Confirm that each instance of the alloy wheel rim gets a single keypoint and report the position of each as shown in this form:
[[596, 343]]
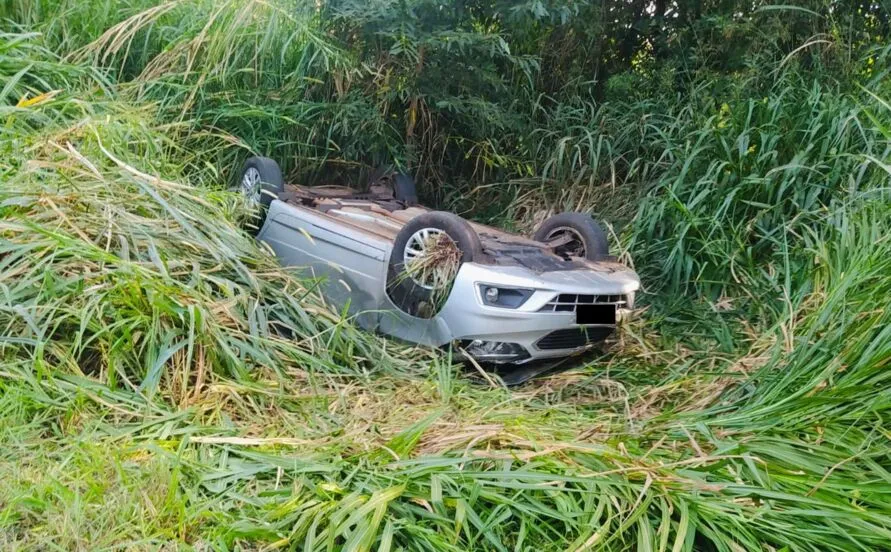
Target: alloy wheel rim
[[250, 185], [417, 248]]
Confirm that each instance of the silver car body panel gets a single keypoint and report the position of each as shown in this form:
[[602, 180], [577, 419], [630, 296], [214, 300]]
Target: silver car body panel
[[350, 251]]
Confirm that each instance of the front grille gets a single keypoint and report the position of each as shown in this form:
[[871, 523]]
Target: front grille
[[567, 302], [572, 338]]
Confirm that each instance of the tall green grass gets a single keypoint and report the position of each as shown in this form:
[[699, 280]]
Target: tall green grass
[[164, 383], [109, 266]]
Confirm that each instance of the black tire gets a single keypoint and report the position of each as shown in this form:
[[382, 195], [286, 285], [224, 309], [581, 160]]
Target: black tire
[[411, 297], [266, 188], [404, 189], [589, 238]]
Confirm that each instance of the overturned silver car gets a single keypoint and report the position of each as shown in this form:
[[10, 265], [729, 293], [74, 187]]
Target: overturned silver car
[[435, 279]]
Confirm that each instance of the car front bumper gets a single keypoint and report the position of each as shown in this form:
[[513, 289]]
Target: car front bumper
[[532, 331]]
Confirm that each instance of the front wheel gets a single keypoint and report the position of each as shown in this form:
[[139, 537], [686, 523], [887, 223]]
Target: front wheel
[[426, 256], [573, 235]]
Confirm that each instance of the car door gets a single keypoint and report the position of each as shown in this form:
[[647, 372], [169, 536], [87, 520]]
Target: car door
[[351, 263]]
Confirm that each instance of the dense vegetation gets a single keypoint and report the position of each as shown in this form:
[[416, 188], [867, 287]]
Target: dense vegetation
[[739, 151]]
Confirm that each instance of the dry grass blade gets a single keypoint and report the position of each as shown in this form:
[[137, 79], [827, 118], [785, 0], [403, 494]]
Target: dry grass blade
[[439, 264], [165, 382]]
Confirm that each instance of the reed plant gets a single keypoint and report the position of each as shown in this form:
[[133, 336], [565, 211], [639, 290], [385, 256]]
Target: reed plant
[[164, 383]]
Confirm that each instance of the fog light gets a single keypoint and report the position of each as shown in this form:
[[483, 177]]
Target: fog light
[[494, 351], [492, 295]]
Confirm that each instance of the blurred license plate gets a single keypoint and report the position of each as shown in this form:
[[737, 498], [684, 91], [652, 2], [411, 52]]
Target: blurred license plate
[[595, 314]]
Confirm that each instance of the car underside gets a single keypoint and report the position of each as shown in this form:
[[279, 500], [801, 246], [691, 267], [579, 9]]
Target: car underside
[[505, 298]]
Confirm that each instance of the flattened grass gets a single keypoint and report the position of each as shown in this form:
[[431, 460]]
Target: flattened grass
[[165, 383]]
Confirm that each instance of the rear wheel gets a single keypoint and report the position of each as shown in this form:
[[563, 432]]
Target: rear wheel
[[574, 235], [404, 189], [426, 256], [399, 186], [260, 182]]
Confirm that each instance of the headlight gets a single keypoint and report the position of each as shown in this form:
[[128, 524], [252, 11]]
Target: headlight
[[506, 298]]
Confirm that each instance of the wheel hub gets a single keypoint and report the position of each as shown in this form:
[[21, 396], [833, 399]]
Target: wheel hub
[[572, 244], [431, 258]]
